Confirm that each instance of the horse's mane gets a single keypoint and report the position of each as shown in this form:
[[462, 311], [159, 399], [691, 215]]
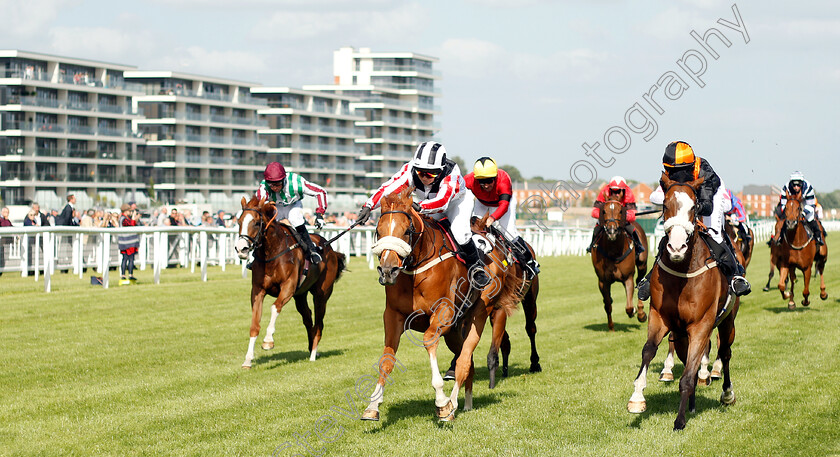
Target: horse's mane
[[401, 199]]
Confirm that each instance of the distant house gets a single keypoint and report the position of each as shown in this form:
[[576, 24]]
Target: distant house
[[759, 201], [642, 193], [547, 194]]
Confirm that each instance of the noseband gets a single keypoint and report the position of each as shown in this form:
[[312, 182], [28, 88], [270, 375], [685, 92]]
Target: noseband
[[396, 244]]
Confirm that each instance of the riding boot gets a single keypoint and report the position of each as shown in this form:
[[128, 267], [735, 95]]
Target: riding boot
[[815, 227], [523, 254], [644, 284], [309, 247], [728, 263], [640, 248], [478, 277], [596, 233]]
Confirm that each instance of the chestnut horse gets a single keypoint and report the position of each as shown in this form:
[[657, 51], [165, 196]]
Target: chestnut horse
[[277, 270], [798, 250], [614, 260], [429, 291], [689, 297]]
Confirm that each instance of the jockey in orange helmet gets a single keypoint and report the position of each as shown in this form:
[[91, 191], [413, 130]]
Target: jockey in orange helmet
[[493, 191], [617, 189]]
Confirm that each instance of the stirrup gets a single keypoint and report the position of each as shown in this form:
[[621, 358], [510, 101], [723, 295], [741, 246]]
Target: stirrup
[[478, 277], [740, 286], [315, 257]]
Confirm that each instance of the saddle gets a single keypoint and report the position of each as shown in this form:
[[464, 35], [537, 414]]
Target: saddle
[[446, 228]]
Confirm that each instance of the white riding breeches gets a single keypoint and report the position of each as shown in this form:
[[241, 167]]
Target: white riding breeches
[[721, 205], [507, 223], [293, 212], [458, 213]]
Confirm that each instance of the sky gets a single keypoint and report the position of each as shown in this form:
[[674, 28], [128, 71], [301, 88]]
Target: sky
[[528, 82]]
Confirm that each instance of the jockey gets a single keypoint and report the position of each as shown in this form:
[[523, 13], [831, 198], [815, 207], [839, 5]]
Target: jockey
[[494, 192], [618, 189], [286, 190], [439, 186], [800, 188], [737, 215], [682, 166]]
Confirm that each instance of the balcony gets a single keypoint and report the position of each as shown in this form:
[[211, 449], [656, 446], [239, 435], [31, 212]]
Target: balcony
[[71, 129]]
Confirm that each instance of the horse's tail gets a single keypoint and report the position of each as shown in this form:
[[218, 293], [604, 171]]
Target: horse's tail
[[342, 264], [513, 291]]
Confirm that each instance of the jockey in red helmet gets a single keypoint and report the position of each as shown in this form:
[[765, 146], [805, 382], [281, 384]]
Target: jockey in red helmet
[[618, 190], [286, 190]]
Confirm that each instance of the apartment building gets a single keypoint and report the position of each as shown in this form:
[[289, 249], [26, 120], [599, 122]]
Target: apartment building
[[201, 143], [314, 134], [66, 127], [396, 93]]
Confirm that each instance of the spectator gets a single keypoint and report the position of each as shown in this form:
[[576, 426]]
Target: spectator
[[4, 217], [163, 218], [174, 217], [220, 219], [52, 216], [129, 243], [66, 216], [40, 219], [187, 217]]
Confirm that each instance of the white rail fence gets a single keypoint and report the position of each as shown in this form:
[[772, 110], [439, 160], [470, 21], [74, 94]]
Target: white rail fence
[[41, 251]]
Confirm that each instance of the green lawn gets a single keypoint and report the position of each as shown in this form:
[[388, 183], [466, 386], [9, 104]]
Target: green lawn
[[155, 370]]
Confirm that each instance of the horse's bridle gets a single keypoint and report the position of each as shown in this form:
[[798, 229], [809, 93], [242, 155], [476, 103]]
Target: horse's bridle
[[255, 242], [693, 194], [617, 221], [413, 234]]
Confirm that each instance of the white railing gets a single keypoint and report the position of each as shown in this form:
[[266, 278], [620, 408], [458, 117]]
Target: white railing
[[40, 251]]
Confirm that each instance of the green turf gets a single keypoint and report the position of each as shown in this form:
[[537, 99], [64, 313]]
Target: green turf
[[155, 370]]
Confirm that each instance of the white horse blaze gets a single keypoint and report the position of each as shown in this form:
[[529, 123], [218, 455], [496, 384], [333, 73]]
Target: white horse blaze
[[679, 227], [241, 244]]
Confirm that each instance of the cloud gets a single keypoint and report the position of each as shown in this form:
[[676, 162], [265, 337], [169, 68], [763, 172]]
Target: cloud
[[30, 18], [102, 43], [676, 23], [478, 59], [372, 25], [241, 65], [812, 28]]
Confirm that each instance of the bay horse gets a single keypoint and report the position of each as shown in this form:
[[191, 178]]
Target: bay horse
[[429, 291], [740, 244], [798, 250], [614, 260], [278, 271], [530, 289], [704, 375], [689, 297]]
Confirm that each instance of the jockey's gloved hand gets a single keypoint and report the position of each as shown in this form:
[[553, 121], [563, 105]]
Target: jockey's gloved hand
[[704, 207], [319, 220], [364, 215], [416, 206]]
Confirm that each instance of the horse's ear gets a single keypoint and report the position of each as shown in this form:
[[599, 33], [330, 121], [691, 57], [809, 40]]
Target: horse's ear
[[665, 181], [697, 182], [244, 202]]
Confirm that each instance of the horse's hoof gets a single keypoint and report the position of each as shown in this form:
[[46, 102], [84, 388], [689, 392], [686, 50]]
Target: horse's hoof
[[641, 316], [505, 372], [791, 306], [766, 289], [636, 407], [535, 368], [666, 377], [715, 374], [786, 295], [450, 375], [370, 415], [246, 367], [630, 312], [727, 398], [704, 382], [805, 303], [268, 345], [446, 412], [823, 295]]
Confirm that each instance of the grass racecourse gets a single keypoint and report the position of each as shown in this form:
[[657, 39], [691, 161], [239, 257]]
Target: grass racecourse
[[155, 370]]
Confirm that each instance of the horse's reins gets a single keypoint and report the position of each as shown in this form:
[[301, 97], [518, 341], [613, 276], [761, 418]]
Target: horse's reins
[[257, 242], [629, 245], [810, 235], [413, 233], [698, 225]]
